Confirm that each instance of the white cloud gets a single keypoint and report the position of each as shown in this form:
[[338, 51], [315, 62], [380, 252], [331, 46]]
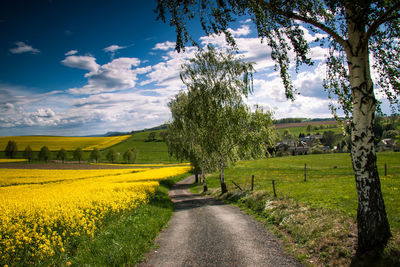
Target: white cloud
[[242, 31], [23, 48], [60, 113], [126, 94], [71, 52], [166, 74], [309, 83], [164, 46], [113, 48], [119, 74], [81, 62]]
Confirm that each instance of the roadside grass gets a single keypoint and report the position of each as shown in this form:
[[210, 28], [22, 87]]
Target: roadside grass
[[316, 217], [125, 239]]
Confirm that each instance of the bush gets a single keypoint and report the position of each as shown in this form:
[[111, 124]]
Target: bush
[[317, 151], [282, 154]]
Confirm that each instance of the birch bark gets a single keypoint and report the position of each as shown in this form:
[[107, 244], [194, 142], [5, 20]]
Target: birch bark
[[373, 225]]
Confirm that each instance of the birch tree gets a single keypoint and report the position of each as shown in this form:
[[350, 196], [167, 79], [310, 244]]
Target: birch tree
[[184, 137], [221, 127], [355, 31]]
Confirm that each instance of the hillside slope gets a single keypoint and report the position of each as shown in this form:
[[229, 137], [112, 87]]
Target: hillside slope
[[154, 151]]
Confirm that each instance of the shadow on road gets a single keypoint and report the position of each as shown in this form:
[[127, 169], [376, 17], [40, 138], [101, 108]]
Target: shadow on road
[[184, 200]]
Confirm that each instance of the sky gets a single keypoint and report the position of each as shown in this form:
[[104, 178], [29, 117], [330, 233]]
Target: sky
[[78, 68]]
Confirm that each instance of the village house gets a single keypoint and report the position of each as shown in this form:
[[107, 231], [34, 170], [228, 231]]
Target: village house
[[386, 144]]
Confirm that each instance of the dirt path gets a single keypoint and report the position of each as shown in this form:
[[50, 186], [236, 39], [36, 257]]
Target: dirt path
[[206, 232]]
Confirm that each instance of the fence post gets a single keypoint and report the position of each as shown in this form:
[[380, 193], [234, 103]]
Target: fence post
[[273, 187], [252, 182], [385, 169], [305, 172]]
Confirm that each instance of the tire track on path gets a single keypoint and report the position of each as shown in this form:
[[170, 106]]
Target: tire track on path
[[206, 232]]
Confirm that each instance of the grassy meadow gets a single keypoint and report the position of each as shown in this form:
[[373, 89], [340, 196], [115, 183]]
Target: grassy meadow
[[154, 151], [316, 217], [329, 181]]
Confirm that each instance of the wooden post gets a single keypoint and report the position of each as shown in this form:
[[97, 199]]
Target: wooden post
[[305, 172], [237, 186], [273, 187], [252, 182], [385, 169]]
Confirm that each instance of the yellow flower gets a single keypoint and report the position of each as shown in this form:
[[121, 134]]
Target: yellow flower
[[40, 216]]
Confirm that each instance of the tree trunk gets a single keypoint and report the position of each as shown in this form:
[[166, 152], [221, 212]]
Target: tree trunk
[[204, 181], [196, 177], [373, 225], [222, 178]]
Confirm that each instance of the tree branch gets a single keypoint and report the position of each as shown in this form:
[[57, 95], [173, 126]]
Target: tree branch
[[292, 15], [382, 19]]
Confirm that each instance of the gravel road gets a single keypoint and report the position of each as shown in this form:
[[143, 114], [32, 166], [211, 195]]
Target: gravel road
[[206, 232]]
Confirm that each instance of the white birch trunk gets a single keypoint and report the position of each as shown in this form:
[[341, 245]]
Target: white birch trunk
[[203, 175], [222, 178], [373, 226]]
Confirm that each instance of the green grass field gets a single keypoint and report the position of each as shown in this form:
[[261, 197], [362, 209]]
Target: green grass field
[[147, 151], [330, 181], [316, 218]]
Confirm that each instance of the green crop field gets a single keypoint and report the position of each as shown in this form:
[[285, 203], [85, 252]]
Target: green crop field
[[329, 182], [147, 151]]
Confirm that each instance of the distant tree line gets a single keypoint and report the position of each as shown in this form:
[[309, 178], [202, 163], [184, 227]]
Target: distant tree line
[[296, 120], [44, 154]]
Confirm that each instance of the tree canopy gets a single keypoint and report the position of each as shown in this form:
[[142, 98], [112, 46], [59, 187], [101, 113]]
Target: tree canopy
[[78, 154], [11, 149], [28, 153], [44, 153], [95, 154], [62, 154], [212, 118]]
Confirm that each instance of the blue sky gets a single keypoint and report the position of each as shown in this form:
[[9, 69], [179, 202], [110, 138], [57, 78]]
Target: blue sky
[[78, 68]]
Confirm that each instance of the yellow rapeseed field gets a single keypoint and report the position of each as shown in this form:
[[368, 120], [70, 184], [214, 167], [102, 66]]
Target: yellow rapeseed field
[[41, 176], [57, 142], [43, 212], [149, 165], [12, 160]]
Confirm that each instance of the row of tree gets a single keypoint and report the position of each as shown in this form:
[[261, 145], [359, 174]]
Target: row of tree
[[211, 125], [78, 154]]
